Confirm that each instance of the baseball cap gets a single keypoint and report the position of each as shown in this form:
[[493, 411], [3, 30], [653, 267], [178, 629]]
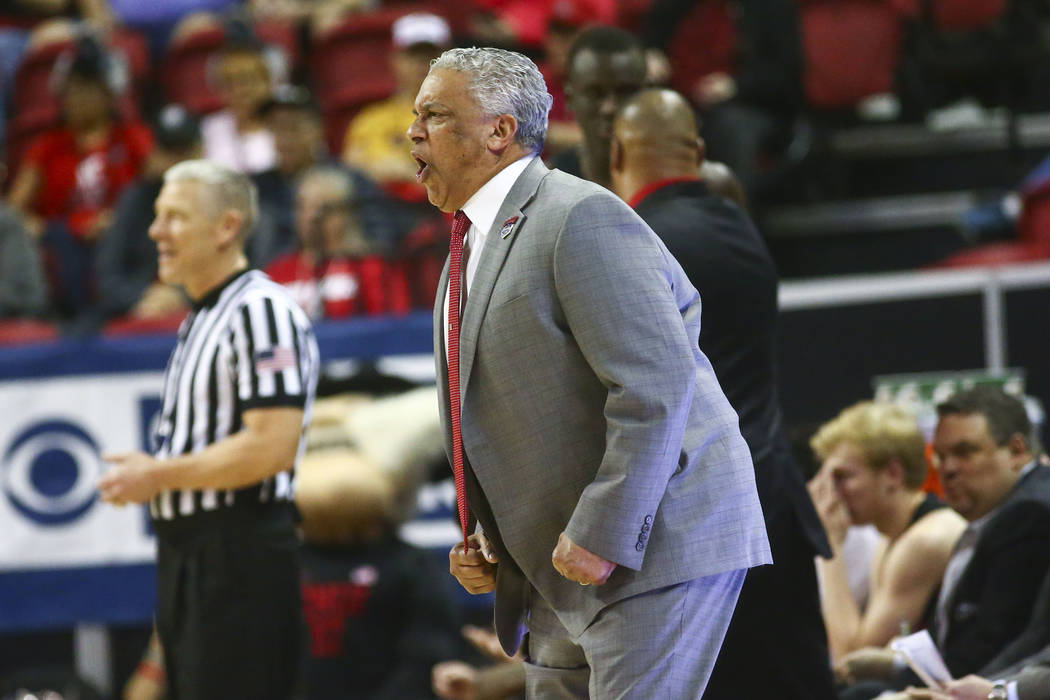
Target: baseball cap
[[421, 28], [175, 127]]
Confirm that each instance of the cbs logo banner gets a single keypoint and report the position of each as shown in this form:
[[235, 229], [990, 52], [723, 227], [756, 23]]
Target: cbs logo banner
[[50, 444]]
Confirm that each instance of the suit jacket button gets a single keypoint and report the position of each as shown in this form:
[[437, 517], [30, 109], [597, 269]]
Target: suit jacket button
[[646, 527], [648, 520], [640, 546]]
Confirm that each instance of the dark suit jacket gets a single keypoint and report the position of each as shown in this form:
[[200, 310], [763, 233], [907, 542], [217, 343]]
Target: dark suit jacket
[[996, 594], [726, 259], [1031, 647]]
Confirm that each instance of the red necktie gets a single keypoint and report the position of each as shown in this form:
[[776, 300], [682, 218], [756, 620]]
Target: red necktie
[[460, 226]]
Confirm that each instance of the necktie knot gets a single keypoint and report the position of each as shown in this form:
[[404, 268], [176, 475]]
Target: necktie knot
[[460, 224]]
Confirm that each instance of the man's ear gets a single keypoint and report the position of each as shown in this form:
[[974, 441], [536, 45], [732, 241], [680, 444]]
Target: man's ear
[[895, 470], [229, 229], [1018, 445], [504, 131]]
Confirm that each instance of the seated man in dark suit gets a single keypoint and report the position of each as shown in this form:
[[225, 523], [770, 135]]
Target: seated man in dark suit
[[983, 449], [1021, 670]]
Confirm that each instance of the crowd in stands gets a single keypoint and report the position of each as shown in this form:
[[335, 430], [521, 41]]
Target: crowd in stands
[[313, 100], [91, 88]]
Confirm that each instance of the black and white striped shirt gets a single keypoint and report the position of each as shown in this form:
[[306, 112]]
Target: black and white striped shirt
[[245, 345]]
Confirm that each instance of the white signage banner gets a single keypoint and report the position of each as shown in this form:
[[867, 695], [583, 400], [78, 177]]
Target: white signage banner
[[51, 440]]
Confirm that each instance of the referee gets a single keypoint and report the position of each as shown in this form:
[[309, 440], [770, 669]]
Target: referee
[[236, 402]]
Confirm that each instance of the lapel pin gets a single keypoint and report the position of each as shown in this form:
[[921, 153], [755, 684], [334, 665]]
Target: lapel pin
[[508, 226]]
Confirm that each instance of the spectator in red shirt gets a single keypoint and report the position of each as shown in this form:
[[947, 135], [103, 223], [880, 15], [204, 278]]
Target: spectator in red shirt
[[337, 273], [71, 176]]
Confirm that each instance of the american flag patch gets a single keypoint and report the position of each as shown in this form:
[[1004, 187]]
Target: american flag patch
[[274, 359]]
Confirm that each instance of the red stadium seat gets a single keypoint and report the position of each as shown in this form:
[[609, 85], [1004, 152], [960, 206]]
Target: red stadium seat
[[20, 331], [345, 105], [851, 50], [994, 254], [184, 71], [33, 77], [33, 90], [353, 55], [127, 325]]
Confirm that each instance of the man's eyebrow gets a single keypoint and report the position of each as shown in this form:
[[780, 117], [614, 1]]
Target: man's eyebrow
[[431, 106]]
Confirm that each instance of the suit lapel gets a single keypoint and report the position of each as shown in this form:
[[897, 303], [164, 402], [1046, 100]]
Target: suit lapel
[[497, 245]]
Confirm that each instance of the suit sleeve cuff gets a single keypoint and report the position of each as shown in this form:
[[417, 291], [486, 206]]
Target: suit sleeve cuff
[[606, 540]]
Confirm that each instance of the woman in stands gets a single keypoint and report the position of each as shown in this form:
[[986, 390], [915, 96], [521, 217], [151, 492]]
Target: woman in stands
[[72, 175], [873, 466], [237, 136]]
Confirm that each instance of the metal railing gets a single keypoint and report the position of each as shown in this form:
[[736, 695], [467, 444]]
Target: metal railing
[[989, 282]]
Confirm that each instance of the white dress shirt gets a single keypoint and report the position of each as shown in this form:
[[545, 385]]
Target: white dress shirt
[[481, 209]]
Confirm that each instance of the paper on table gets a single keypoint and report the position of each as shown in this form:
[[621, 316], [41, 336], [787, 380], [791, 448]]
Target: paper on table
[[922, 656]]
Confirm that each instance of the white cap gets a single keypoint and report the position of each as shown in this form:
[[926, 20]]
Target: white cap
[[421, 28]]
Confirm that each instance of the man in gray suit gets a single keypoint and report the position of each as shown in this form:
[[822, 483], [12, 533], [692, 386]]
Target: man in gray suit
[[614, 495]]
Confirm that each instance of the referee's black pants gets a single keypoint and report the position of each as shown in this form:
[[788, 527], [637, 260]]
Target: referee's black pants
[[229, 607]]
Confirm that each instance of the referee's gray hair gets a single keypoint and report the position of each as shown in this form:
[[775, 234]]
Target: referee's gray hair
[[230, 189], [505, 82]]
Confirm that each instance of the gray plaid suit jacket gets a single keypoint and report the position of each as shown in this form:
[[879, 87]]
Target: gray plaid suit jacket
[[588, 407]]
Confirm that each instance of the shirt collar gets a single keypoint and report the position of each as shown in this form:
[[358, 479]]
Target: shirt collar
[[484, 205], [212, 296], [658, 185]]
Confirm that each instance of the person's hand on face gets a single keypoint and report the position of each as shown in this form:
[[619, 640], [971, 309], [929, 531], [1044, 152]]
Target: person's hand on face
[[580, 565], [475, 569], [832, 511]]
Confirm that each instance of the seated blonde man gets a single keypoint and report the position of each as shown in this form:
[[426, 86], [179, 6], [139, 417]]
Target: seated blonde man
[[873, 465]]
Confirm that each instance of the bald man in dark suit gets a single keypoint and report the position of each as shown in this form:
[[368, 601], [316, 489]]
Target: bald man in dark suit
[[777, 626]]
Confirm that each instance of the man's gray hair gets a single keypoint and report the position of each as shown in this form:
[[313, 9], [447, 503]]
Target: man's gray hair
[[505, 82], [230, 189]]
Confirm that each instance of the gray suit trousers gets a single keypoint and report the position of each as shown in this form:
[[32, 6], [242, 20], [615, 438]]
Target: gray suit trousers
[[659, 644]]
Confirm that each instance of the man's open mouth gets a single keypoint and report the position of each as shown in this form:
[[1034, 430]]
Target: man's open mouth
[[423, 167]]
